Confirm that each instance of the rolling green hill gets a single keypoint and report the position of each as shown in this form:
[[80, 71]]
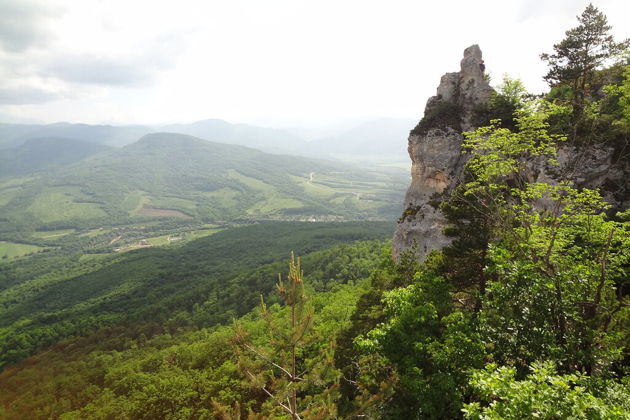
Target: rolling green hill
[[178, 176]]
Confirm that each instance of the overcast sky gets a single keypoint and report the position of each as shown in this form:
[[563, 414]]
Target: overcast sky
[[266, 62]]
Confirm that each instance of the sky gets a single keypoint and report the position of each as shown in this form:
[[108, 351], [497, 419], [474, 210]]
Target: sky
[[266, 62]]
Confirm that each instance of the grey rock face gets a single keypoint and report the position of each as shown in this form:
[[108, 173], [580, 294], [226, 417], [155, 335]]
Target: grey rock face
[[437, 162], [596, 167], [435, 152]]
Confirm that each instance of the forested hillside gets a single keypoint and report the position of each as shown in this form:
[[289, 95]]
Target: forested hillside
[[171, 362], [55, 295]]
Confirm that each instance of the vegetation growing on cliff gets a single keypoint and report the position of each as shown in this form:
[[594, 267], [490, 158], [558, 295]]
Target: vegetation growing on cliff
[[440, 114]]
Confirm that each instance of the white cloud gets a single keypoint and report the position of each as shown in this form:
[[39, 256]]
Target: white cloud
[[269, 62], [25, 24]]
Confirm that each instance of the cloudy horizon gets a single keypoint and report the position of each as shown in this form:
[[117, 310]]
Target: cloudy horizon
[[274, 63]]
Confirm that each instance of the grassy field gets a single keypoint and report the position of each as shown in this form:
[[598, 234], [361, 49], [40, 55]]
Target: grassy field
[[173, 203], [206, 231], [223, 198], [140, 203], [133, 202], [313, 189], [253, 183], [183, 237], [7, 194], [148, 210], [10, 250], [95, 232], [124, 243], [176, 239], [10, 188], [52, 233], [62, 204], [274, 204]]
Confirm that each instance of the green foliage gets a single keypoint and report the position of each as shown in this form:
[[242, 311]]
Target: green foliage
[[556, 264], [498, 153], [603, 118], [370, 374], [430, 343], [573, 69], [584, 49], [624, 92], [441, 114], [465, 259], [557, 282], [286, 370], [621, 92], [9, 250], [543, 395], [161, 370], [503, 105]]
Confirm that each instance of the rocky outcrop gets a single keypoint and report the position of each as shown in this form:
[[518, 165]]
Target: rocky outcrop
[[437, 161], [435, 151], [599, 166]]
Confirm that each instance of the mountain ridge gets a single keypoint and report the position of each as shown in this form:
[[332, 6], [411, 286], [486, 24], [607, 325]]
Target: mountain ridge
[[205, 180], [46, 153], [361, 141]]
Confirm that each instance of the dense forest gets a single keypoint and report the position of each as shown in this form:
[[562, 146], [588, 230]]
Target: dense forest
[[524, 315], [210, 277]]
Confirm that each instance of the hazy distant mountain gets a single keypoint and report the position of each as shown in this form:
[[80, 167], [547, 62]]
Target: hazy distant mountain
[[312, 131], [266, 139], [13, 135], [385, 137], [41, 154]]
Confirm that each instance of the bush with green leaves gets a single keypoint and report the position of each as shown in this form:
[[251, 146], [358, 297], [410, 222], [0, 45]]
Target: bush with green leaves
[[544, 395], [430, 343]]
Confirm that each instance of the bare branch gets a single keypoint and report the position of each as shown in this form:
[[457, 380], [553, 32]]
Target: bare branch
[[268, 360]]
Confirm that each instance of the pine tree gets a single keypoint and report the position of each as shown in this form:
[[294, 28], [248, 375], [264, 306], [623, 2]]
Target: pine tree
[[585, 49], [279, 377]]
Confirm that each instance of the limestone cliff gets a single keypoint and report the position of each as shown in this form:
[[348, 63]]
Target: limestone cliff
[[437, 162], [435, 151]]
